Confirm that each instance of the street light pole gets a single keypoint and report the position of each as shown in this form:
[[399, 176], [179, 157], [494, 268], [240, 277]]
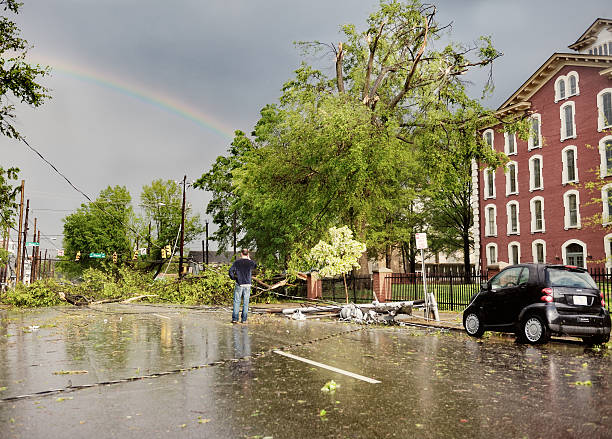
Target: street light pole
[[182, 231]]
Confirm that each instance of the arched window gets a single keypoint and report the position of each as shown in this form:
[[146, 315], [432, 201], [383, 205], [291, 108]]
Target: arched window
[[512, 211], [569, 157], [511, 179], [491, 253], [605, 154], [488, 137], [604, 109], [538, 251], [571, 203], [535, 173], [535, 135], [536, 205], [568, 122], [489, 183], [608, 249], [490, 220], [514, 253], [560, 88], [606, 201], [572, 79], [574, 253], [510, 143]]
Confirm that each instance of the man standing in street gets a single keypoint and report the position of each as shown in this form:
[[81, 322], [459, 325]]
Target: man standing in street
[[240, 271]]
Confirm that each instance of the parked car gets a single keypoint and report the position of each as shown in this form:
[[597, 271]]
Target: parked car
[[536, 301]]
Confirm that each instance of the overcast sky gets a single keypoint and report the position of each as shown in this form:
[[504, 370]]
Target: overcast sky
[[150, 89]]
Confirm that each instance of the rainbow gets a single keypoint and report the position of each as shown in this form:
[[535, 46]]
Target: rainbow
[[162, 101]]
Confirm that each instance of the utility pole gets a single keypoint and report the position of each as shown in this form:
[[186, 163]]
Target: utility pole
[[234, 230], [149, 240], [44, 273], [33, 265], [5, 270], [25, 238], [182, 230], [19, 255], [206, 242], [37, 257]]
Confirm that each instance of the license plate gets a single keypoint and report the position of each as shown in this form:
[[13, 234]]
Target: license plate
[[580, 300]]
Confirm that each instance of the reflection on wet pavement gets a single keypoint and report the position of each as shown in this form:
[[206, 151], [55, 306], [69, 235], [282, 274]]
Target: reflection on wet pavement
[[434, 384]]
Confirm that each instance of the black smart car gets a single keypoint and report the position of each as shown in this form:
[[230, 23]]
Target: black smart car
[[536, 301]]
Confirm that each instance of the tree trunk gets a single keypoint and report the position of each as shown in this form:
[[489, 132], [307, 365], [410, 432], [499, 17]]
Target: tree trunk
[[345, 287], [466, 258]]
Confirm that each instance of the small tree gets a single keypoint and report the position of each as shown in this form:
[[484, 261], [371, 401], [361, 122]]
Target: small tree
[[339, 256]]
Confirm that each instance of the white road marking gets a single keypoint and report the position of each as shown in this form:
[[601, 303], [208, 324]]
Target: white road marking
[[325, 366], [163, 317]]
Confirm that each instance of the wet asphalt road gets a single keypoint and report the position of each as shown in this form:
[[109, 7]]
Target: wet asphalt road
[[232, 384]]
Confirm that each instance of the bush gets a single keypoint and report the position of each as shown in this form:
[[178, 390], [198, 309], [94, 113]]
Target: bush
[[41, 293]]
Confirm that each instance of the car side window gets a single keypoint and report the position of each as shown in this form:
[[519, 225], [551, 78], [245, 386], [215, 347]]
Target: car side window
[[507, 278], [524, 277]]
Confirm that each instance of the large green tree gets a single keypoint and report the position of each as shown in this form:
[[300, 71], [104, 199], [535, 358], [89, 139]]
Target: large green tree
[[8, 196], [101, 226], [161, 202], [366, 145]]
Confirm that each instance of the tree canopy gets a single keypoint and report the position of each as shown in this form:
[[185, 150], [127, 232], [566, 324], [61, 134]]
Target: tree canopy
[[376, 145]]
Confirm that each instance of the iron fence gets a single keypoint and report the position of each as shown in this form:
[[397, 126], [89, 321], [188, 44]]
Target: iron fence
[[603, 279], [359, 289], [452, 290]]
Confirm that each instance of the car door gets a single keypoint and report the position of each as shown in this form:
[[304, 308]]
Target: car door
[[503, 297]]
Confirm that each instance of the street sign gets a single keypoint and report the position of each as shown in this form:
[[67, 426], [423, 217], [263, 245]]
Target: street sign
[[60, 252], [143, 251], [32, 244], [97, 255], [421, 240]]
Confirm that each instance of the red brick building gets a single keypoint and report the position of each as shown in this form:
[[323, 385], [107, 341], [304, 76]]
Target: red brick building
[[541, 208]]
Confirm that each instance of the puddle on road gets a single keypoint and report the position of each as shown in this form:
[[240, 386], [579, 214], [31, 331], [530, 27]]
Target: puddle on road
[[434, 384]]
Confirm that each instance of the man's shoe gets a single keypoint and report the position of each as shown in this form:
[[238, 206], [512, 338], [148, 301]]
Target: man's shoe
[[234, 322]]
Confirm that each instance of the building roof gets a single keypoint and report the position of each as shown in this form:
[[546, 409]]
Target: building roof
[[590, 35], [556, 62]]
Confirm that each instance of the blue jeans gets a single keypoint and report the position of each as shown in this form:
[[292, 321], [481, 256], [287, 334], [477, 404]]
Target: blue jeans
[[241, 292]]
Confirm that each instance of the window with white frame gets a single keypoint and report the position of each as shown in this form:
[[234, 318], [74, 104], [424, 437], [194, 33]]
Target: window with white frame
[[488, 137], [605, 154], [569, 159], [538, 251], [571, 204], [560, 88], [489, 183], [490, 220], [604, 109], [511, 179], [535, 173], [574, 253], [606, 201], [514, 253], [572, 84], [491, 252], [535, 132], [510, 143], [536, 207], [512, 212], [567, 113], [608, 249]]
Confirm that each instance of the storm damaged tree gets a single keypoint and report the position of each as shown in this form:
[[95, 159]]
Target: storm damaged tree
[[346, 148]]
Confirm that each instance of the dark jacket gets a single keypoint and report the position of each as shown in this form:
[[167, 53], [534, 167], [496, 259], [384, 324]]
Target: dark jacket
[[240, 271]]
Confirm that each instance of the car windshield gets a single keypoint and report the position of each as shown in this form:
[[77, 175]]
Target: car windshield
[[559, 277]]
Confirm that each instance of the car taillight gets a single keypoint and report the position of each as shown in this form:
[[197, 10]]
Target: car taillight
[[548, 295], [603, 302]]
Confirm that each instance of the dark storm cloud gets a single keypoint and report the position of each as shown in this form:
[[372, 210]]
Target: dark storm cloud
[[228, 59]]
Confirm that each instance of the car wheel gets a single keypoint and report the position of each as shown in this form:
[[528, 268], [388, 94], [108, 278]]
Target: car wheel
[[473, 325], [534, 330], [596, 339]]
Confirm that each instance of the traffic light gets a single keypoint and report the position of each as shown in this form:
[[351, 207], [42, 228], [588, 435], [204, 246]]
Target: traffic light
[[168, 251], [115, 257], [135, 255], [78, 256], [163, 253]]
